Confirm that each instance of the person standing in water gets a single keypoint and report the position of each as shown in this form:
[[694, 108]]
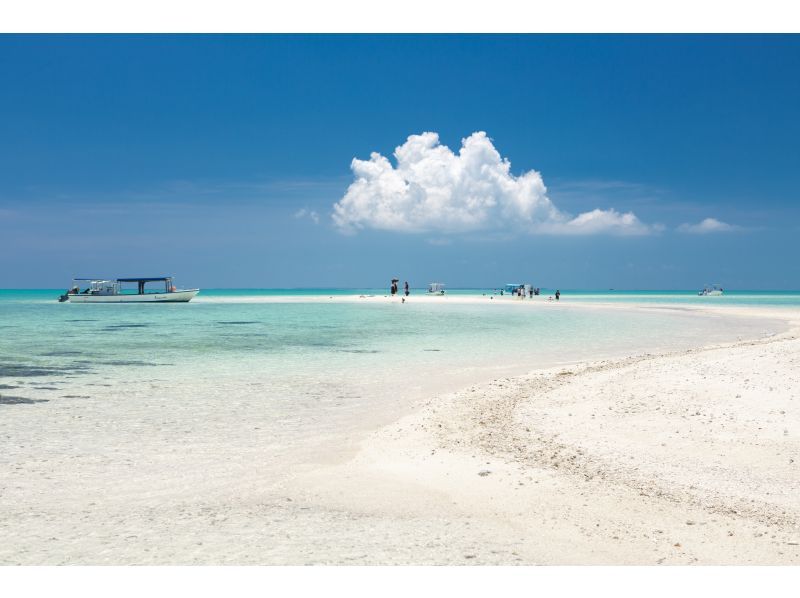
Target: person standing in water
[[558, 294], [394, 288], [405, 288]]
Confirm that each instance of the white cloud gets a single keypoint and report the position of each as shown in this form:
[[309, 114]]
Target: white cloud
[[600, 221], [433, 189], [709, 225], [310, 214]]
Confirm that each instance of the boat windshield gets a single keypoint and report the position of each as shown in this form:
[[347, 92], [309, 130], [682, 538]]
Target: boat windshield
[[93, 286]]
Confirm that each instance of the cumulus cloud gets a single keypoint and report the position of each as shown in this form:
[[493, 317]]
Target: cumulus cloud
[[709, 225], [600, 221], [433, 189], [310, 214]]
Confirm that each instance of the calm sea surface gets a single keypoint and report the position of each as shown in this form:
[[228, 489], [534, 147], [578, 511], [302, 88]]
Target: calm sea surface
[[313, 367]]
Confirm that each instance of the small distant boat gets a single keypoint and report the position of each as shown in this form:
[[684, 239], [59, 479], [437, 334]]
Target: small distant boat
[[436, 288], [114, 291], [710, 290], [518, 289]]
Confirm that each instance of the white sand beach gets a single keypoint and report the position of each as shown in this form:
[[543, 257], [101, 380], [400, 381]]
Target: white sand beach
[[688, 457]]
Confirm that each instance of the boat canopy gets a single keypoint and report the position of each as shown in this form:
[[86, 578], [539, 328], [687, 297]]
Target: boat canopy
[[146, 279]]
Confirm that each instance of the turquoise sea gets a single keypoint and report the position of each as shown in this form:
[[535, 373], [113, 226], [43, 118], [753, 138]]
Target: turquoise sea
[[313, 367], [302, 370]]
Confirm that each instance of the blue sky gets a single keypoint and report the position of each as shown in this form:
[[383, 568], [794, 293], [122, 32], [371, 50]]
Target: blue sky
[[219, 159]]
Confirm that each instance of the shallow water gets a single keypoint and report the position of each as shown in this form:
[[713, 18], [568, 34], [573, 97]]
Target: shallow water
[[306, 370]]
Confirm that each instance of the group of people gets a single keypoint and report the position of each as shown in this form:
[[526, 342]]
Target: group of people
[[522, 290], [394, 287], [531, 291]]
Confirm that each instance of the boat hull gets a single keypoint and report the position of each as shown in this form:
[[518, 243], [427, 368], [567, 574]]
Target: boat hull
[[176, 297]]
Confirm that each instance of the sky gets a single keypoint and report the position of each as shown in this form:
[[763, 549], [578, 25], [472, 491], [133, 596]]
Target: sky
[[571, 161]]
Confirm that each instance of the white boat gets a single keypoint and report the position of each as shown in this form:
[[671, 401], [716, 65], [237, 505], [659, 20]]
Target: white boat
[[710, 290], [518, 289], [115, 291], [436, 288]]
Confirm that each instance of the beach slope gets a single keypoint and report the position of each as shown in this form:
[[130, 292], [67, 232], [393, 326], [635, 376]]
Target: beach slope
[[684, 458]]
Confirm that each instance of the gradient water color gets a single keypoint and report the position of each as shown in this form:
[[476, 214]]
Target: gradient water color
[[305, 370]]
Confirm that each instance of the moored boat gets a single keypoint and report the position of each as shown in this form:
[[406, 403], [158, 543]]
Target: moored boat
[[115, 291], [711, 290]]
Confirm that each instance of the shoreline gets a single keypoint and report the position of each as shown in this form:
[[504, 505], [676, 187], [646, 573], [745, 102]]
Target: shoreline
[[488, 297], [607, 462]]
